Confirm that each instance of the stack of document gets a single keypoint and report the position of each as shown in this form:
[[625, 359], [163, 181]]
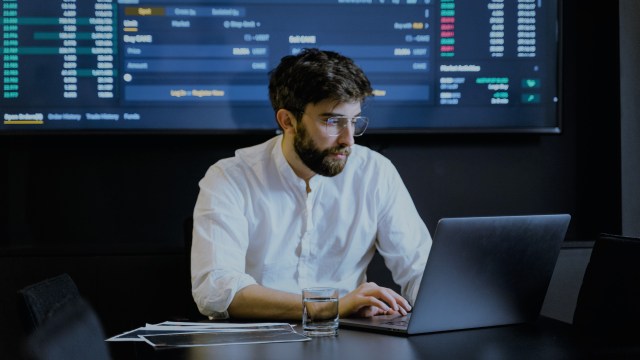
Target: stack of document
[[183, 334]]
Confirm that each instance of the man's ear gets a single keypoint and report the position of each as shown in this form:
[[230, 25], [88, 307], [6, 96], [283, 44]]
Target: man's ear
[[286, 120]]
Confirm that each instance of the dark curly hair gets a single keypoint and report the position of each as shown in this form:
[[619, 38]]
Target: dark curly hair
[[313, 76]]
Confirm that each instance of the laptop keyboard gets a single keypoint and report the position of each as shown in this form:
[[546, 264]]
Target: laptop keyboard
[[397, 322]]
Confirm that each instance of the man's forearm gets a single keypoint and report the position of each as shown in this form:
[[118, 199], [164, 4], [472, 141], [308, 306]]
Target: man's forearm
[[259, 302]]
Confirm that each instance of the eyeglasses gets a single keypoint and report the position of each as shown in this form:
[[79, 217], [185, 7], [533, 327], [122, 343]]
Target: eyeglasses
[[335, 125]]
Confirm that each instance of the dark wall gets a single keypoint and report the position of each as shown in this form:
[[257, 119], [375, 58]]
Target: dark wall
[[595, 81], [630, 115], [109, 209]]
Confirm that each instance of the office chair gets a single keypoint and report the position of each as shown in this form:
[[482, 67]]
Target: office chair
[[73, 332], [609, 298], [39, 301]]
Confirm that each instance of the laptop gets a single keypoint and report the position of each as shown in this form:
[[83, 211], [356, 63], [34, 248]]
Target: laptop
[[481, 272]]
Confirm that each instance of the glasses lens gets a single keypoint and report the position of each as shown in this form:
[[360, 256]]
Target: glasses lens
[[336, 125], [360, 126]]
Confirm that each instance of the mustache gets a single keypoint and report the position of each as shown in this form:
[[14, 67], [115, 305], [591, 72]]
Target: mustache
[[342, 150]]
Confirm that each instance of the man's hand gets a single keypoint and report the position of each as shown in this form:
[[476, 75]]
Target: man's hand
[[370, 299]]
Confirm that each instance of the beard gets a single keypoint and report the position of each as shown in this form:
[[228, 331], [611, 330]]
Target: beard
[[319, 161]]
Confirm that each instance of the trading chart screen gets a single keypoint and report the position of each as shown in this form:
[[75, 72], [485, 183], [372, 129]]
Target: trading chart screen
[[160, 65]]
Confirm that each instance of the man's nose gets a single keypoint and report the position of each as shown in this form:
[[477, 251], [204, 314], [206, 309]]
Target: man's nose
[[345, 138]]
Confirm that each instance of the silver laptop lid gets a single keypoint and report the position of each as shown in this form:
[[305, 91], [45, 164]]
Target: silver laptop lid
[[487, 271]]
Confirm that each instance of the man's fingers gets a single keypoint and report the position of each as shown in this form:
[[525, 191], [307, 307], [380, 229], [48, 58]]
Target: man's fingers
[[394, 300], [370, 299], [374, 301]]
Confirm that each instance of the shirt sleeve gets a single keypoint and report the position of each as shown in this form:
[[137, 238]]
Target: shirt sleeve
[[403, 239], [219, 245]]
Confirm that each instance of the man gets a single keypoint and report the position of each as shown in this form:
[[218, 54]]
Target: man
[[306, 208]]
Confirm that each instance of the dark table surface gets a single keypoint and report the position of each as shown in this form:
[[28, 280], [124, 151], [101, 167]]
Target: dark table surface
[[544, 339]]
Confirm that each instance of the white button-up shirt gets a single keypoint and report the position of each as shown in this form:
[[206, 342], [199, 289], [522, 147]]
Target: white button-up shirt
[[254, 222]]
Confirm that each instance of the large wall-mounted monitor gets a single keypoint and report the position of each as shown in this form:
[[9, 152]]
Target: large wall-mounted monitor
[[202, 65]]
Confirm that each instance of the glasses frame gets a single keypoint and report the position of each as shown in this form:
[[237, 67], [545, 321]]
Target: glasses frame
[[327, 123], [335, 125]]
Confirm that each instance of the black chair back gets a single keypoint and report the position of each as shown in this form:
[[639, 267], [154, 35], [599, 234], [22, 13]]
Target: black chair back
[[38, 302], [73, 332], [609, 298]]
